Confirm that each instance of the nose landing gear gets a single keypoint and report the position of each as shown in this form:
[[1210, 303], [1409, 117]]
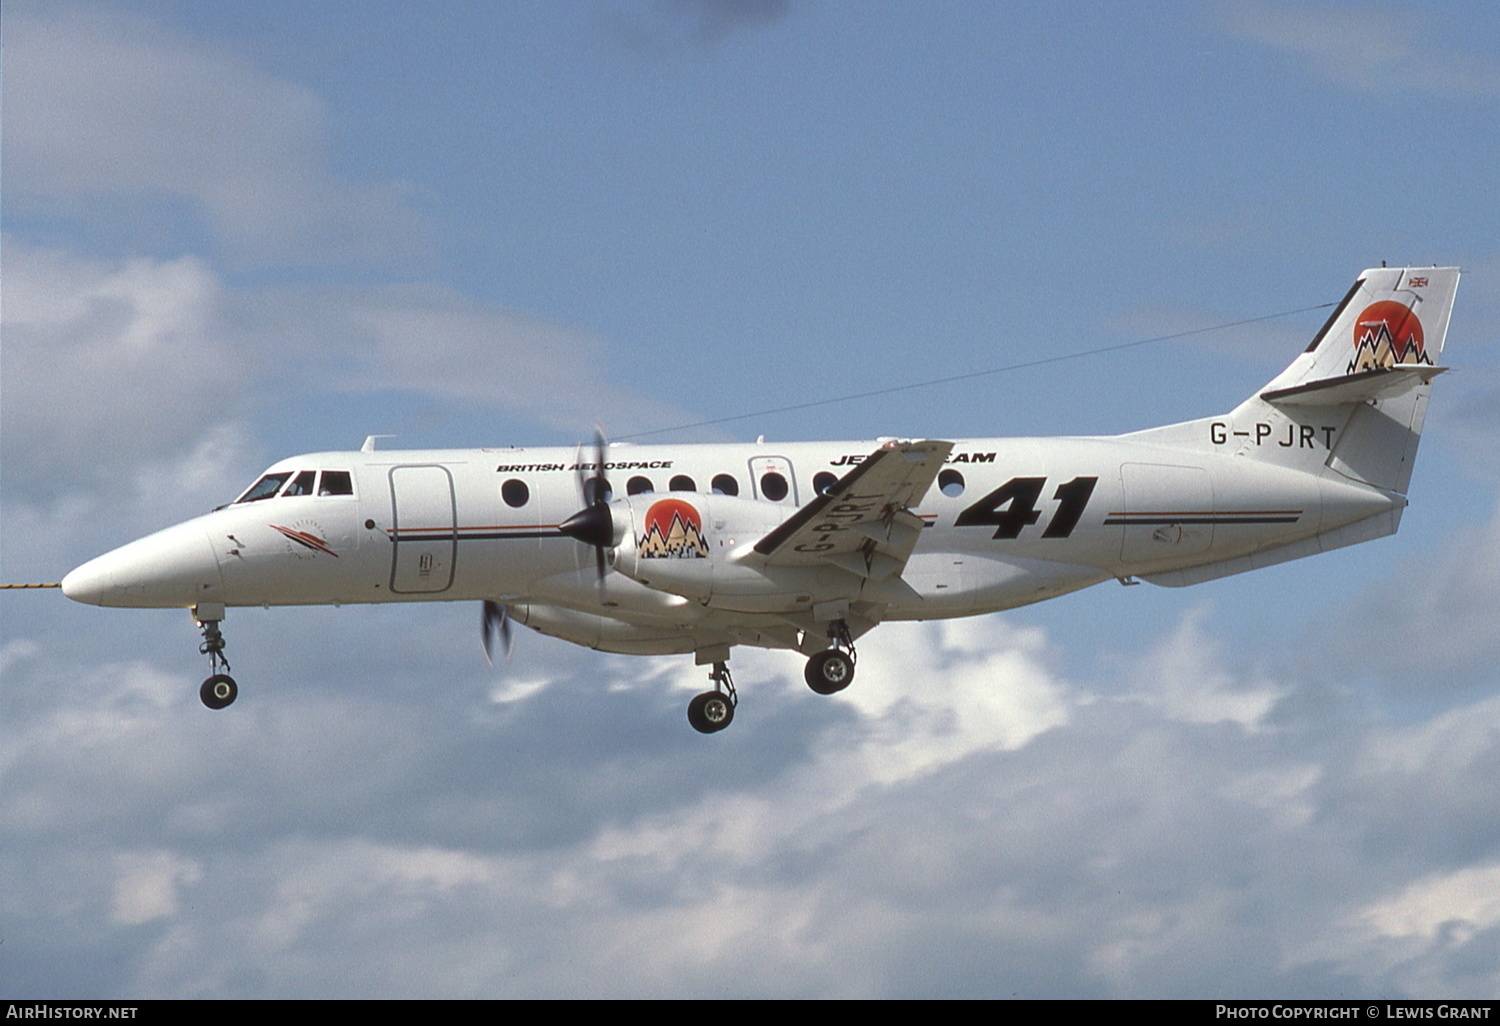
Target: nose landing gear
[[219, 690], [713, 710]]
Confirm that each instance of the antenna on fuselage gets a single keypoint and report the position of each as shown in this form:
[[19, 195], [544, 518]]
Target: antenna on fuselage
[[369, 445]]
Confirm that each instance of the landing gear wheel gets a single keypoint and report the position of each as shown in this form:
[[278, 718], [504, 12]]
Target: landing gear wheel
[[710, 712], [219, 691], [830, 671]]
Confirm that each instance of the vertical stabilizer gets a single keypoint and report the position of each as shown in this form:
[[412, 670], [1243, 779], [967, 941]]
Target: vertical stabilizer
[[1392, 317], [1373, 362], [1355, 399]]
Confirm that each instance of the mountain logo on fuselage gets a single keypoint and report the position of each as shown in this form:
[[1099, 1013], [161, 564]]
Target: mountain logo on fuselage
[[674, 530], [1385, 334]]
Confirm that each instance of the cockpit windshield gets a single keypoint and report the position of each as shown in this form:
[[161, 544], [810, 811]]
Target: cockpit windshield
[[265, 487], [306, 482], [302, 484]]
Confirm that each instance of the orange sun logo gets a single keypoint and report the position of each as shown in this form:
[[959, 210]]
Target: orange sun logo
[[1385, 334], [674, 530]]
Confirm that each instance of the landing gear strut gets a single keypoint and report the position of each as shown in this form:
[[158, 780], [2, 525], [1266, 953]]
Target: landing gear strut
[[713, 710], [832, 670], [219, 690]]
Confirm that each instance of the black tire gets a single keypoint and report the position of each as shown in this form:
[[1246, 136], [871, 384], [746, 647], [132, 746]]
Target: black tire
[[830, 671], [219, 691], [710, 712]]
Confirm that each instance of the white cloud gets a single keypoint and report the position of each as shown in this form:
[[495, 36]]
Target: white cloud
[[1184, 676], [962, 821], [148, 884], [102, 107], [106, 360], [1431, 624], [1468, 898], [1416, 797], [1374, 50], [988, 690], [144, 374], [434, 340]]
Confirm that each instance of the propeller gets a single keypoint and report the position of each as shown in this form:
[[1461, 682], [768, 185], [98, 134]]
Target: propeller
[[496, 622], [594, 524]]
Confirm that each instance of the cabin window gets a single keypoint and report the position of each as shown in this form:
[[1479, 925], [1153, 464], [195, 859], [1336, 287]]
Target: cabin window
[[515, 493], [597, 489], [823, 481], [639, 486], [683, 483], [265, 487], [725, 484], [773, 486], [951, 482], [336, 482], [302, 484]]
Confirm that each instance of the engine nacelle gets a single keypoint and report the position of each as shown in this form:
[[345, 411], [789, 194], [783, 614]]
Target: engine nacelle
[[702, 547], [602, 632]]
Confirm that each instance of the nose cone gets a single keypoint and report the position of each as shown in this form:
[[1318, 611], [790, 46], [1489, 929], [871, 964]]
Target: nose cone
[[170, 569]]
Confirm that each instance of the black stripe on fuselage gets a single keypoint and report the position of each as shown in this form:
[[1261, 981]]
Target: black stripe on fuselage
[[1118, 519], [469, 534]]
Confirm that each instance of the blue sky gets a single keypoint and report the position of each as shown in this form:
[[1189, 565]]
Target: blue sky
[[232, 232]]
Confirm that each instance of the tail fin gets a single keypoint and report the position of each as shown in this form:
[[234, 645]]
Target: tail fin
[[1371, 366], [1355, 400], [1347, 412], [1393, 319]]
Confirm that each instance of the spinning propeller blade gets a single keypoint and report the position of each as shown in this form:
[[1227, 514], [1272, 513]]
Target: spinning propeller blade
[[496, 622], [594, 524]]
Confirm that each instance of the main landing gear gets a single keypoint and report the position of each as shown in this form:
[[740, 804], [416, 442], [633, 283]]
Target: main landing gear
[[832, 670], [713, 710], [219, 690], [828, 672]]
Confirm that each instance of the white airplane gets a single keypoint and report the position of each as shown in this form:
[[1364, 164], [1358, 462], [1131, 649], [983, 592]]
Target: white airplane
[[661, 549]]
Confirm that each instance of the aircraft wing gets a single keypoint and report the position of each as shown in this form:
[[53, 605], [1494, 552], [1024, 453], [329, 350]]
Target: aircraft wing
[[864, 523]]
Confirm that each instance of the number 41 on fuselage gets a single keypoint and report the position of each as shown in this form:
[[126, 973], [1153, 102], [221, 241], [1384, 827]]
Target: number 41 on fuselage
[[653, 550]]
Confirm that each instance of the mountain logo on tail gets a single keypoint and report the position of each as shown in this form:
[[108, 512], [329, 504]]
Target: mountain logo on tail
[[674, 530], [1385, 334]]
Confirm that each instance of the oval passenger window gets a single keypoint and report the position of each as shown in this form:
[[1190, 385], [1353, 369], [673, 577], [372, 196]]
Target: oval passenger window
[[515, 493], [773, 486]]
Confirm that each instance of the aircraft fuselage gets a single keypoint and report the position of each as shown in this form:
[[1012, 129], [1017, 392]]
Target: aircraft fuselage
[[1009, 522]]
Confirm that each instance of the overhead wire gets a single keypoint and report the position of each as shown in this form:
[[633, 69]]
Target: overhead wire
[[1042, 361]]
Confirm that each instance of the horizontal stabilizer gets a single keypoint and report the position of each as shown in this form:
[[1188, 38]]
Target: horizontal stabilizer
[[1375, 383]]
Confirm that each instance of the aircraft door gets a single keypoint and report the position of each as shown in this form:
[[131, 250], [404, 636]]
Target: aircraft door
[[424, 530], [772, 480]]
